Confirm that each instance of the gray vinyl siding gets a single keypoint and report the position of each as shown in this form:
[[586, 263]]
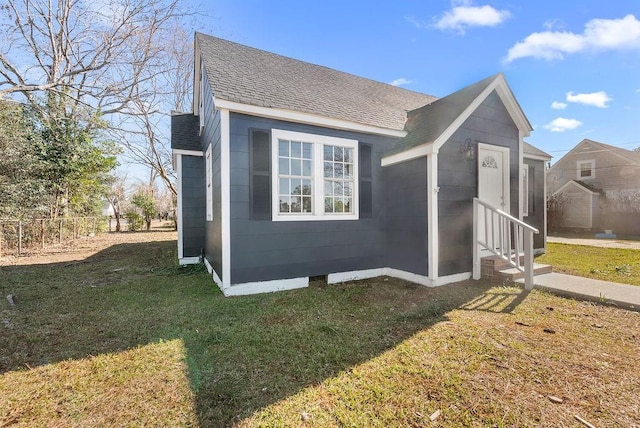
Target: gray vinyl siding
[[537, 203], [406, 216], [611, 171], [267, 250], [193, 210], [458, 181], [211, 135]]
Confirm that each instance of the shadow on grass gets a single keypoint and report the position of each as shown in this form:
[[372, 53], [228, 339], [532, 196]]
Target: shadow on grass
[[243, 353], [497, 301]]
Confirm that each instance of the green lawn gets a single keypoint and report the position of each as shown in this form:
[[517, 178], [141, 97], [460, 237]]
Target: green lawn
[[124, 338], [609, 264]]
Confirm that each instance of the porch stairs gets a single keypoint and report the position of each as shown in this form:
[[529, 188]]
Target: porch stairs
[[502, 246], [497, 269]]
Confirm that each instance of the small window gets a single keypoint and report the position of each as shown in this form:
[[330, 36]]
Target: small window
[[209, 183], [315, 177], [586, 169], [525, 190]]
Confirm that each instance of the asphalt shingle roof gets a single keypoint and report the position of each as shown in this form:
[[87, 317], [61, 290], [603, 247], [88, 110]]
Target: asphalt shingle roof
[[251, 76], [528, 149], [185, 129]]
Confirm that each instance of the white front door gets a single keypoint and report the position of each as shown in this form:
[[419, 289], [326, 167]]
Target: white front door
[[493, 180]]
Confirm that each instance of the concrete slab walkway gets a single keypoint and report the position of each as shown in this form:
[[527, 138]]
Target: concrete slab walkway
[[623, 295]]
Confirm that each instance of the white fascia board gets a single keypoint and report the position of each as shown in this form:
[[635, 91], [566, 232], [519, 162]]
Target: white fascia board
[[536, 157], [410, 154], [196, 81], [573, 183], [306, 118], [505, 94], [187, 152]]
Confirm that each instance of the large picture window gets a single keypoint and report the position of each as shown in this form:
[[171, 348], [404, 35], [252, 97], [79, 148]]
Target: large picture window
[[315, 177]]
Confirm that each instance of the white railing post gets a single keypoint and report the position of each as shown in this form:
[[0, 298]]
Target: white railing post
[[476, 245], [528, 260]]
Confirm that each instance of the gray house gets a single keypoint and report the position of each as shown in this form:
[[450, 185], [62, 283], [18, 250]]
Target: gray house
[[289, 170], [600, 185]]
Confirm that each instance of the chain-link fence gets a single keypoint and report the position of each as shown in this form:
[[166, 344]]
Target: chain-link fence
[[19, 236]]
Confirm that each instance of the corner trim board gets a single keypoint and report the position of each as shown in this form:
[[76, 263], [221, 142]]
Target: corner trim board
[[225, 185], [178, 164]]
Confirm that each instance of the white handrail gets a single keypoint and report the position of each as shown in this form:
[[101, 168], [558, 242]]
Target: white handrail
[[510, 232]]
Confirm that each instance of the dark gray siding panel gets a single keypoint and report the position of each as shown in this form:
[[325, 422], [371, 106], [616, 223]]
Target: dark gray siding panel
[[267, 250], [193, 210], [211, 135], [406, 212], [458, 181], [537, 204]]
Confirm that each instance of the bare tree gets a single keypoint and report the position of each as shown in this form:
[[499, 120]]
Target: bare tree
[[98, 54], [116, 196]]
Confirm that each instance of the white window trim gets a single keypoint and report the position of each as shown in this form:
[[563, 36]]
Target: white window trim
[[209, 184], [525, 190], [593, 169], [318, 142]]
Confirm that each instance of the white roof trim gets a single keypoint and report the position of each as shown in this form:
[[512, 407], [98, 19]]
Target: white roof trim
[[535, 157], [306, 118], [187, 152], [414, 152], [499, 84], [578, 185]]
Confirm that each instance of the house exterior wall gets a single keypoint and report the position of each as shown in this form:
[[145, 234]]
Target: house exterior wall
[[579, 210], [193, 209], [458, 181], [406, 216], [211, 136], [537, 202], [612, 172], [264, 250]]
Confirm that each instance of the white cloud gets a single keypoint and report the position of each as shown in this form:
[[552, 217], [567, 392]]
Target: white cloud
[[562, 124], [461, 17], [558, 105], [415, 22], [596, 99], [599, 34], [401, 81]]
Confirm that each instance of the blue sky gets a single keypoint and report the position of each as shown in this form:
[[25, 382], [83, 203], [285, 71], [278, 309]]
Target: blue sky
[[574, 66]]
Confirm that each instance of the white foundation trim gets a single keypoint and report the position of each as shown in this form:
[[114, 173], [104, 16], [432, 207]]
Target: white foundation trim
[[450, 279], [272, 286], [189, 260], [258, 287], [213, 273], [334, 278], [306, 118]]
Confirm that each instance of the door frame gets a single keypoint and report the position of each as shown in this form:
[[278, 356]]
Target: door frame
[[506, 173]]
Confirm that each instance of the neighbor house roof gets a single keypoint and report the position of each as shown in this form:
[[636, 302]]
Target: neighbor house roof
[[528, 149], [185, 129], [255, 77]]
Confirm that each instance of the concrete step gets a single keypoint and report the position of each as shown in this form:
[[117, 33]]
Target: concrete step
[[513, 274]]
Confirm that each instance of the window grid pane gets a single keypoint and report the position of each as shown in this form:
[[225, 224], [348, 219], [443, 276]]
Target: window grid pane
[[295, 176], [339, 180]]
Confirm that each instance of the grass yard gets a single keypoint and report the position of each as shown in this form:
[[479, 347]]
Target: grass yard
[[610, 264], [120, 336]]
